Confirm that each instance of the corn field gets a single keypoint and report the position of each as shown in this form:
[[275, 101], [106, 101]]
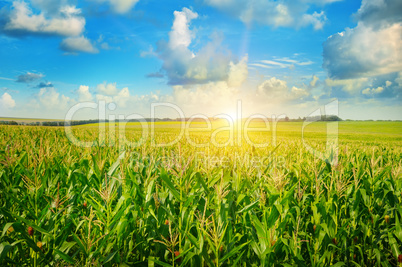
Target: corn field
[[63, 205]]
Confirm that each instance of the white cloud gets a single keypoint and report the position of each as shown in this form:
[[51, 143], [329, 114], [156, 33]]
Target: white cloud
[[210, 64], [372, 48], [109, 93], [210, 98], [213, 98], [364, 51], [383, 86], [314, 81], [56, 18], [372, 91], [238, 73], [316, 19], [297, 93], [122, 97], [273, 88], [277, 90], [274, 13], [349, 85], [49, 98], [379, 13], [6, 101], [120, 6], [84, 94], [181, 35], [67, 22], [78, 44], [107, 89]]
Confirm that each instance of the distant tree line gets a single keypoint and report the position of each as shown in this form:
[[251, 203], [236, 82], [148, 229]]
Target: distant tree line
[[312, 118], [324, 118], [52, 123], [8, 123], [82, 122]]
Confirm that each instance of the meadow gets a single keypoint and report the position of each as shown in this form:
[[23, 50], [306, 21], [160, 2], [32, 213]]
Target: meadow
[[193, 203]]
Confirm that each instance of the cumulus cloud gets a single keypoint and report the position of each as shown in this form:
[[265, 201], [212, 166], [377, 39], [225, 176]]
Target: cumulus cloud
[[284, 13], [373, 91], [278, 90], [372, 48], [22, 21], [110, 93], [78, 44], [29, 77], [181, 35], [120, 6], [210, 98], [56, 18], [53, 103], [364, 51], [107, 88], [316, 19], [349, 85], [380, 13], [51, 99], [120, 99], [182, 66], [382, 86], [6, 101], [84, 94], [238, 73], [211, 78], [273, 87]]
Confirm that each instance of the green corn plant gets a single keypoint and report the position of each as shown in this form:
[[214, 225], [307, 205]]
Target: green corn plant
[[180, 205]]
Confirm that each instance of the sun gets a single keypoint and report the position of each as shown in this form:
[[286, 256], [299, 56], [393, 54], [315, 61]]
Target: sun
[[232, 114]]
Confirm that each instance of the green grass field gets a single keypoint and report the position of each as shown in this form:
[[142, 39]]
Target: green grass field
[[112, 204]]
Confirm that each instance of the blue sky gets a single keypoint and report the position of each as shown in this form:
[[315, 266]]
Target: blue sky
[[277, 57]]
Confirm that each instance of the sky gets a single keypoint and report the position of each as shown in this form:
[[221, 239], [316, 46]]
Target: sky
[[204, 57]]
